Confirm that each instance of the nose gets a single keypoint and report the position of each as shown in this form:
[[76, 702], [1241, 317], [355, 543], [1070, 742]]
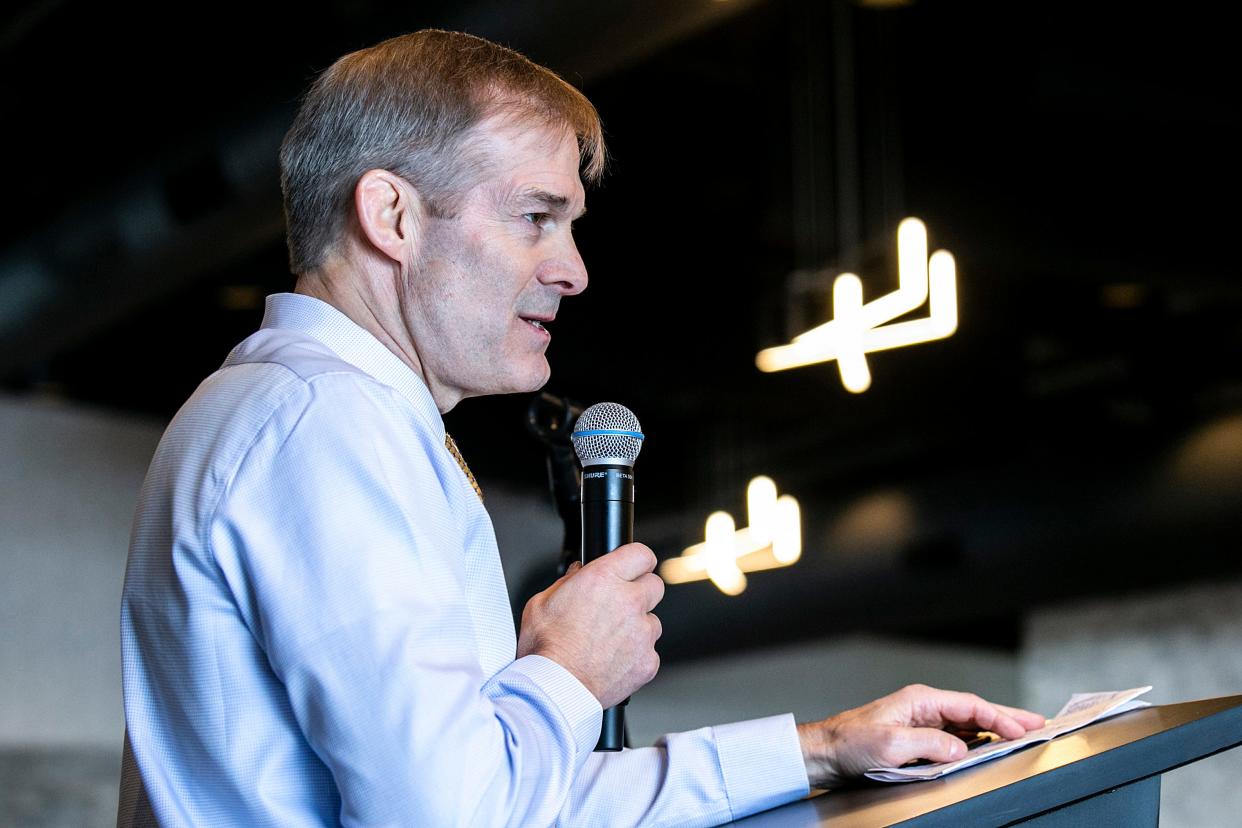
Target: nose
[[566, 271]]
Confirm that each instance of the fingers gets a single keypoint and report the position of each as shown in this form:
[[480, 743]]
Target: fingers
[[633, 562], [652, 667], [936, 708], [653, 590], [1029, 720], [913, 743], [628, 562]]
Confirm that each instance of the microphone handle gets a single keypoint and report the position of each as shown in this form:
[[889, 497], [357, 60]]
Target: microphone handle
[[608, 522]]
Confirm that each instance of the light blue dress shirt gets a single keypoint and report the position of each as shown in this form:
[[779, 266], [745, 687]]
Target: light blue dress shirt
[[315, 628]]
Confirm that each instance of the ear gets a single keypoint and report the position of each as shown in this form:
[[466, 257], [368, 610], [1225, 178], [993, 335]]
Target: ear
[[388, 211]]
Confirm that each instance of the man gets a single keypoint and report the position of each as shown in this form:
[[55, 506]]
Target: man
[[315, 627]]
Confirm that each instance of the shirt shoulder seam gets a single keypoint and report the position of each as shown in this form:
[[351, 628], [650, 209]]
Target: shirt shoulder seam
[[302, 383]]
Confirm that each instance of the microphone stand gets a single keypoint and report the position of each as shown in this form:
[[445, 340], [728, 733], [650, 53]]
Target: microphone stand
[[551, 420]]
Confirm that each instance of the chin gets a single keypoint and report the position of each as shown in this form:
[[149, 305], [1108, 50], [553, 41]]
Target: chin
[[540, 378], [531, 379]]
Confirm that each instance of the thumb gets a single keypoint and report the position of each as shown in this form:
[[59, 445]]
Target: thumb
[[934, 744]]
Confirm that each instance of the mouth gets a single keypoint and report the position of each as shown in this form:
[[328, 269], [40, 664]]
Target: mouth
[[539, 323]]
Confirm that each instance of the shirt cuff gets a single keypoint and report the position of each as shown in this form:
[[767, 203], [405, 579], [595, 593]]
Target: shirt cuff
[[761, 763], [580, 708]]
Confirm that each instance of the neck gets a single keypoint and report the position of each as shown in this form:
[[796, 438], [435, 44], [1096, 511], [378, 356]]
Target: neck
[[377, 311]]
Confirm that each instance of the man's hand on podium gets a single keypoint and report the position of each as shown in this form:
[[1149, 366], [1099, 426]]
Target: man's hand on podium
[[902, 727]]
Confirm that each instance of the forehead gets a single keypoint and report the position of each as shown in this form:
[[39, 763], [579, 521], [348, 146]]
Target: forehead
[[521, 155]]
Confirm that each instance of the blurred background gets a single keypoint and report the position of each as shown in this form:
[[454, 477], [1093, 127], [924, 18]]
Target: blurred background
[[1048, 501]]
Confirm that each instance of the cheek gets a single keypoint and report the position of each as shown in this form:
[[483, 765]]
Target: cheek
[[476, 296]]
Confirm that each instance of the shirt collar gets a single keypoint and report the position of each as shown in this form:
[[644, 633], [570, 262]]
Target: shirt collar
[[324, 323]]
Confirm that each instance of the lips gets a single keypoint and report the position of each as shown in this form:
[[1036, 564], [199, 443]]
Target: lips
[[538, 322]]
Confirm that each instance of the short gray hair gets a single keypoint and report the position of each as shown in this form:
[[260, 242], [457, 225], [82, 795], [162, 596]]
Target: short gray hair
[[409, 105]]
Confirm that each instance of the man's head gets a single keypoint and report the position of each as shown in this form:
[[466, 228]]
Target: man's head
[[430, 185], [413, 105]]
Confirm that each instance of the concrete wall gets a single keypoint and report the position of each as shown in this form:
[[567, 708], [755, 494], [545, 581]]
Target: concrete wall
[[68, 482], [1186, 643]]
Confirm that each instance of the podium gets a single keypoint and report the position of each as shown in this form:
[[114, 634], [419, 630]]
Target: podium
[[1107, 773]]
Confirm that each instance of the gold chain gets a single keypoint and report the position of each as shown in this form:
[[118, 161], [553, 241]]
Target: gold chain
[[451, 445]]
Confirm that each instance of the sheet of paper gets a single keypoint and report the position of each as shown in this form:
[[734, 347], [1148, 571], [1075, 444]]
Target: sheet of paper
[[1081, 710]]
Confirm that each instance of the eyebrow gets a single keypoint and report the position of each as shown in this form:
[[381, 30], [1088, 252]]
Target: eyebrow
[[551, 202]]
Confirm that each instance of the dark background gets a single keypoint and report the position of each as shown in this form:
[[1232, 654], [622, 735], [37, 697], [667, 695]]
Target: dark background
[[1081, 433]]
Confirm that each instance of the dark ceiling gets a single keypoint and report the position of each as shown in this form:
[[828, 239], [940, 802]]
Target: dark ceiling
[[1081, 165]]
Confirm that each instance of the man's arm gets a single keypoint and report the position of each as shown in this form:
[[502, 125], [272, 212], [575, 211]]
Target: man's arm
[[347, 564], [723, 773]]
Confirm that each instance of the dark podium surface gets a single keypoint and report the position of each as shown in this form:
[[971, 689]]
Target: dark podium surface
[[1105, 774]]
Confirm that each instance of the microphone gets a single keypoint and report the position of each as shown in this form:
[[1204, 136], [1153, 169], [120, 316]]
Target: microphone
[[607, 439]]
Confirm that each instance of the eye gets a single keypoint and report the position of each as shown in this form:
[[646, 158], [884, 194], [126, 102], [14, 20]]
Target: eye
[[538, 219]]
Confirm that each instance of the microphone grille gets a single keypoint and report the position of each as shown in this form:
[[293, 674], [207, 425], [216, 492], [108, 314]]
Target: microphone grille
[[607, 433]]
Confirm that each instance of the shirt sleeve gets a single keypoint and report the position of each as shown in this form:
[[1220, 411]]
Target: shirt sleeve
[[702, 777], [339, 546]]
